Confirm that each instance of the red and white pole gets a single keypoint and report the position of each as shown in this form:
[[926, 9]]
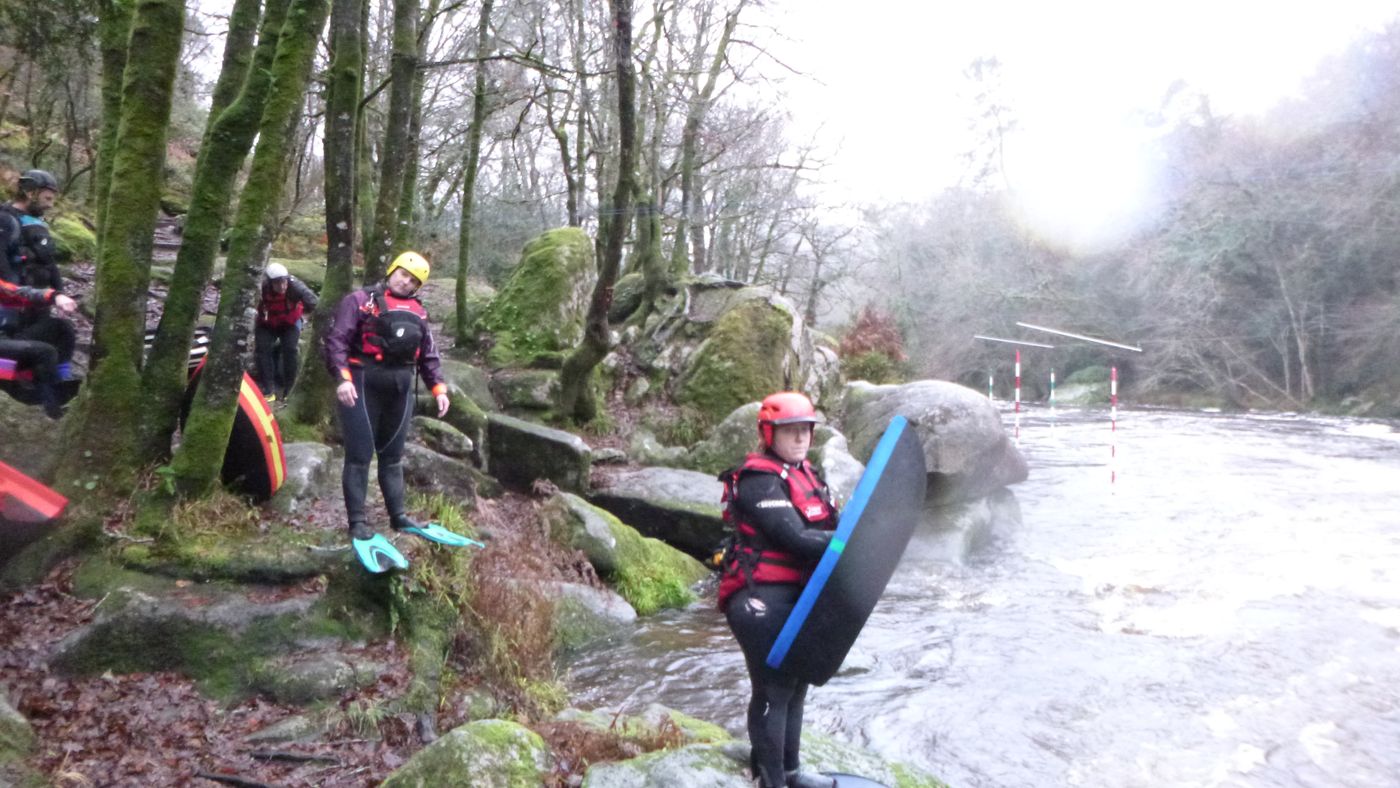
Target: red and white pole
[[1018, 397], [1113, 424]]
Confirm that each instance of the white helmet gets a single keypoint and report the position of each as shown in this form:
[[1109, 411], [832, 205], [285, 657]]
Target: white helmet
[[276, 271]]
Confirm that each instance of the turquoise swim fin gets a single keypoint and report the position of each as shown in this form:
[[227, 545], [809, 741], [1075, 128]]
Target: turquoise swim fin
[[436, 533], [378, 555]]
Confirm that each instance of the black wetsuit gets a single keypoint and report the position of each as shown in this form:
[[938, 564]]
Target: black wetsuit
[[377, 424], [756, 616]]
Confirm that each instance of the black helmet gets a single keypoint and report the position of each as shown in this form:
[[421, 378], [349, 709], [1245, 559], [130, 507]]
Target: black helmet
[[37, 180]]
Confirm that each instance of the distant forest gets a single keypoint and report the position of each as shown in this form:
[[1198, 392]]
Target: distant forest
[[1268, 279]]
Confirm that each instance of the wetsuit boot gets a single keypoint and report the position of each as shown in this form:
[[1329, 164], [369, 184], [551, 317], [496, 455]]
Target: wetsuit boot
[[797, 779]]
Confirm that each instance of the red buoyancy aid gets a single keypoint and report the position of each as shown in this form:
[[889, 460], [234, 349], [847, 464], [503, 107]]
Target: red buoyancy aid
[[750, 559], [393, 328], [279, 310]]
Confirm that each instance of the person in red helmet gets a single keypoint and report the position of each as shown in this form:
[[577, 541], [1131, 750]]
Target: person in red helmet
[[783, 517]]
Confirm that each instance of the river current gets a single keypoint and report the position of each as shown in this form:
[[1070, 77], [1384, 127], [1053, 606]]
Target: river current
[[1193, 599]]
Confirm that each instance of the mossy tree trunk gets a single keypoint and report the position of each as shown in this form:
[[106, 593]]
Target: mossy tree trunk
[[100, 434], [575, 395], [312, 401], [227, 139], [408, 197], [403, 65], [474, 131], [113, 33], [198, 461]]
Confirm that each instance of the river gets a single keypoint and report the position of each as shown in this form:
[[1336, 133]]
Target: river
[[1213, 602]]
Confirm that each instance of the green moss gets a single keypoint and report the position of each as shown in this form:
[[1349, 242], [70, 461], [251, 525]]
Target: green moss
[[537, 310], [73, 240], [651, 574], [98, 575], [742, 361], [1094, 375]]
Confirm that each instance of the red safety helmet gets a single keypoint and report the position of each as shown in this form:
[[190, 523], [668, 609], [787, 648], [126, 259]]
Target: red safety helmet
[[785, 407]]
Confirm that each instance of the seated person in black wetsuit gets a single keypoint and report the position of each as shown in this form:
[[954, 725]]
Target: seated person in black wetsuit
[[38, 357], [783, 515], [28, 260]]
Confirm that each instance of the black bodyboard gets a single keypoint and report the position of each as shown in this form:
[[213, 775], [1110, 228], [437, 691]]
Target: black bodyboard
[[870, 538]]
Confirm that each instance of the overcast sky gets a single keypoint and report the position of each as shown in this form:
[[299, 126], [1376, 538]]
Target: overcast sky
[[887, 86]]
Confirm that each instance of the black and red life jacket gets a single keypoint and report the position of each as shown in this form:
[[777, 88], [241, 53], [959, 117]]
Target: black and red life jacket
[[279, 310], [749, 559], [394, 328]]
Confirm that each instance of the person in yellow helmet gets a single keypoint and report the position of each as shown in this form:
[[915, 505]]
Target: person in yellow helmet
[[379, 340]]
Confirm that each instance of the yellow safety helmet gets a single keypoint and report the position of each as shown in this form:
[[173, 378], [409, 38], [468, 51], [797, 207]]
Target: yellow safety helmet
[[413, 263]]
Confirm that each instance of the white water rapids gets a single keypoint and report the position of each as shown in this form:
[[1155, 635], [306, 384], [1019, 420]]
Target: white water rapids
[[1227, 613]]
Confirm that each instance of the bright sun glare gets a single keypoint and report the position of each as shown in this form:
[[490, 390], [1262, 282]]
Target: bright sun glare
[[1079, 187]]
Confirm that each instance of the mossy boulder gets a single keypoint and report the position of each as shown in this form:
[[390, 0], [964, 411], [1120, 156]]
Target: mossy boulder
[[482, 754], [584, 615], [542, 306], [279, 555], [300, 679], [425, 469], [218, 639], [692, 766], [73, 240], [312, 271], [650, 574], [681, 508], [627, 296], [728, 443], [824, 753], [525, 389], [16, 736], [474, 382], [655, 722], [442, 438], [746, 357]]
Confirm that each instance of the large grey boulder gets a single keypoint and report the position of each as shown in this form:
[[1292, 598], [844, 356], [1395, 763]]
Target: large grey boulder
[[425, 469], [681, 508], [519, 452], [525, 389], [965, 446], [311, 473], [692, 766], [650, 574], [726, 445], [832, 457], [584, 615], [482, 754], [443, 438], [725, 765], [299, 679], [220, 640]]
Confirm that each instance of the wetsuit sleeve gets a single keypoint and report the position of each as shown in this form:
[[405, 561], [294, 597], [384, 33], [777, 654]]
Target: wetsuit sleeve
[[305, 294], [429, 364], [11, 293], [9, 246], [764, 501], [343, 332]]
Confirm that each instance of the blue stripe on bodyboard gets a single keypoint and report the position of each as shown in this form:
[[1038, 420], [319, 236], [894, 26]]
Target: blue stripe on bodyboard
[[854, 509]]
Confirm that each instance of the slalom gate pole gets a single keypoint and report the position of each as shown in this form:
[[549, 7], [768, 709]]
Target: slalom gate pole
[[1113, 425], [1018, 397], [989, 389], [1052, 396]]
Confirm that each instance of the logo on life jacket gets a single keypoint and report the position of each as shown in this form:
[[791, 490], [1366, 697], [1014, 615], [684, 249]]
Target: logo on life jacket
[[747, 558]]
